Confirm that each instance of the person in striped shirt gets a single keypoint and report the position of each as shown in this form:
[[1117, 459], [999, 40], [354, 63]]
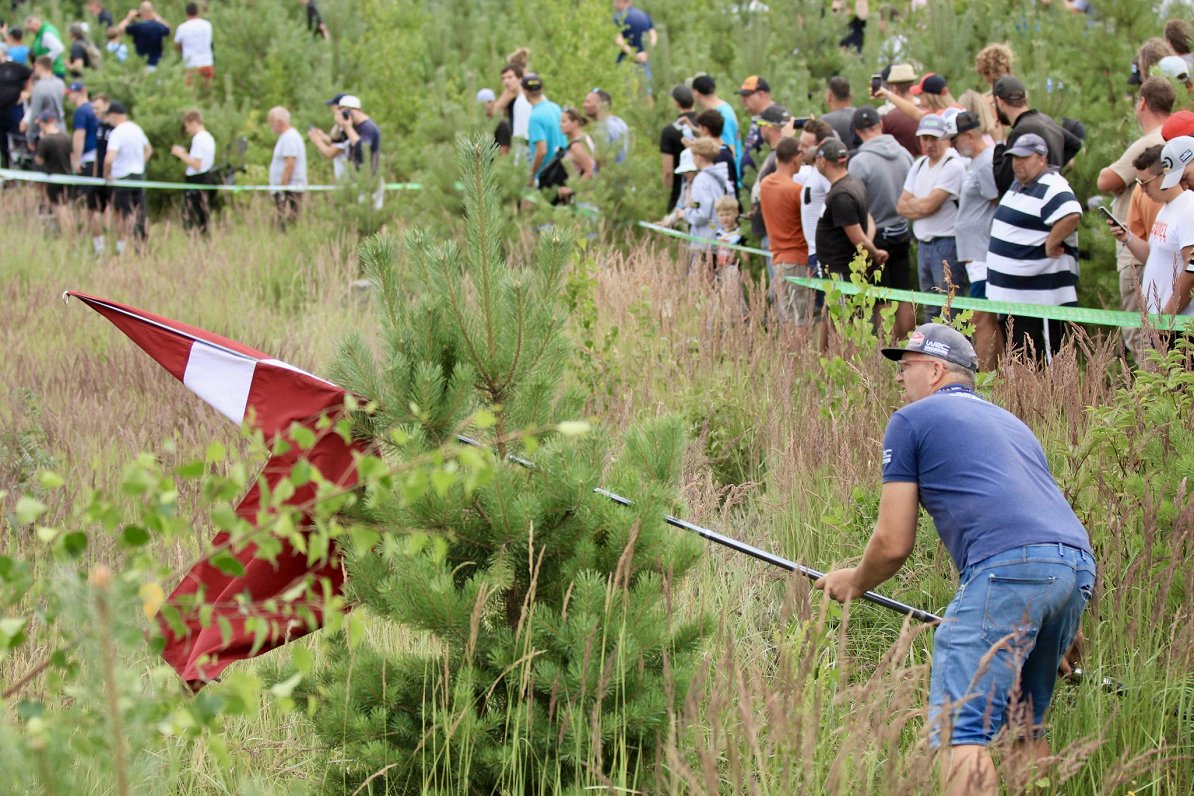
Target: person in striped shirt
[[1033, 255]]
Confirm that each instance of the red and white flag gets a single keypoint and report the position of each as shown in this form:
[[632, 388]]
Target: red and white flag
[[240, 382]]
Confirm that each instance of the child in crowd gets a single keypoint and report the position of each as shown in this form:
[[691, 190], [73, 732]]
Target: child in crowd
[[115, 47], [727, 232]]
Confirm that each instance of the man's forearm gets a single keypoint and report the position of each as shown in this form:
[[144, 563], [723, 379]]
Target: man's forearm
[[879, 563], [1181, 294], [1061, 230]]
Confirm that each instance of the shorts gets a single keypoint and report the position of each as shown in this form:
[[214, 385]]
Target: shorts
[[978, 289], [897, 271], [128, 201], [57, 194], [95, 197], [1003, 636]]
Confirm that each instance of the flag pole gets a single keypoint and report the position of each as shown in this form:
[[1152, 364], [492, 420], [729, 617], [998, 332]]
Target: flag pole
[[740, 547]]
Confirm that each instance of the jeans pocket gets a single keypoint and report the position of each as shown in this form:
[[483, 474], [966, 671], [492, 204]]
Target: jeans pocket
[[1014, 606]]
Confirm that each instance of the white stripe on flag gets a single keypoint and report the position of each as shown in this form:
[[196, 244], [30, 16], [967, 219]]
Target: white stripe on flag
[[221, 378]]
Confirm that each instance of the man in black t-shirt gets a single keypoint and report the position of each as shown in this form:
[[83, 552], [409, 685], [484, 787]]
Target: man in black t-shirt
[[671, 141], [13, 79], [845, 225], [53, 157]]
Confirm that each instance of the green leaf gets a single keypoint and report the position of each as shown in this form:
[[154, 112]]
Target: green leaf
[[73, 544], [573, 428], [12, 631], [302, 436], [284, 689], [228, 564], [29, 509], [192, 469], [134, 536], [215, 452], [483, 418], [355, 630], [300, 474], [50, 480], [363, 539], [442, 480], [303, 660]]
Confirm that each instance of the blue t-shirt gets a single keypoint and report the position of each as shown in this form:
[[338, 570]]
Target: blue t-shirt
[[19, 53], [147, 39], [545, 126], [982, 476], [86, 120], [729, 132], [634, 24]]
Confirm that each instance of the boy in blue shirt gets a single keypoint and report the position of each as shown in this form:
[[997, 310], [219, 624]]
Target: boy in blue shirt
[[543, 133]]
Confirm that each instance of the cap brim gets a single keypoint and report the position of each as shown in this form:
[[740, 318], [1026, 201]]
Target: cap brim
[[746, 92], [1172, 178], [894, 354]]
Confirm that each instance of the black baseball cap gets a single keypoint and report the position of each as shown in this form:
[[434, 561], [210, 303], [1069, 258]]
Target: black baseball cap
[[965, 121], [776, 115], [865, 118], [1009, 87], [116, 106], [832, 149], [532, 82]]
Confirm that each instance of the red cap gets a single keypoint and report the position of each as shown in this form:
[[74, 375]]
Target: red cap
[[1180, 123]]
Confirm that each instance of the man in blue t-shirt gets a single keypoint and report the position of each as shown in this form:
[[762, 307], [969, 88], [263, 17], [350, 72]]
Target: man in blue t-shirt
[[705, 89], [1025, 566], [18, 51], [148, 32], [634, 25], [543, 132]]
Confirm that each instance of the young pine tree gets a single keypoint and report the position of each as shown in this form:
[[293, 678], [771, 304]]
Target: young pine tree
[[547, 654]]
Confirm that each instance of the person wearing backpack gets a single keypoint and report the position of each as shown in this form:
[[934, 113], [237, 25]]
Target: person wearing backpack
[[712, 181], [930, 201], [83, 54]]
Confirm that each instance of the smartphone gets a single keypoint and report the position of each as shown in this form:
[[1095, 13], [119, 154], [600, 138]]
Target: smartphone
[[799, 121], [1113, 219], [876, 84]]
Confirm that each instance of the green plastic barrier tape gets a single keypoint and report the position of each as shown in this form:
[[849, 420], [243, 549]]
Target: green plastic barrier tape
[[71, 179], [685, 236], [1084, 315]]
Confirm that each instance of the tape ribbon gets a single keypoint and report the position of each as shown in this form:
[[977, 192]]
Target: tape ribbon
[[74, 179], [1085, 315]]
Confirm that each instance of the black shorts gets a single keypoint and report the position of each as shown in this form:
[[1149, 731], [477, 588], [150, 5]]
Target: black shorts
[[57, 194], [128, 201], [897, 271], [96, 197]]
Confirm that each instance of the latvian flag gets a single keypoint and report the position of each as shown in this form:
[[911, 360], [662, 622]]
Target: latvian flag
[[241, 383]]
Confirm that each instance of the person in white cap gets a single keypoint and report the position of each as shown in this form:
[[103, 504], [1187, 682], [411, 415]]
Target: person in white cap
[[1033, 254], [929, 201], [360, 131], [1166, 254]]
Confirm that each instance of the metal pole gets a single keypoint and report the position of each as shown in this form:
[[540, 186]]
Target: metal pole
[[741, 547]]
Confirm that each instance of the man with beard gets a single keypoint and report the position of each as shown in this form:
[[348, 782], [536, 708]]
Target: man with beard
[[1011, 106]]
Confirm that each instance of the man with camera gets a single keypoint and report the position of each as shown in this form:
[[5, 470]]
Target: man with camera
[[362, 131]]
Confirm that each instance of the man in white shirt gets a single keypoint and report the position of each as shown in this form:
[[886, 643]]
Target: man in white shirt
[[193, 40], [127, 153], [288, 168], [930, 201], [1168, 279], [199, 160]]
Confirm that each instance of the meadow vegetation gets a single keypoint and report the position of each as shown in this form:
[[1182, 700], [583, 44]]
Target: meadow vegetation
[[112, 475]]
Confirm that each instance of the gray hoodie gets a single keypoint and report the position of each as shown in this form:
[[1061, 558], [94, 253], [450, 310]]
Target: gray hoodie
[[708, 186], [882, 165]]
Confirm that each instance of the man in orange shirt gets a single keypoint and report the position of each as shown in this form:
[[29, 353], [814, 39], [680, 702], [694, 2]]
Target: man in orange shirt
[[779, 199]]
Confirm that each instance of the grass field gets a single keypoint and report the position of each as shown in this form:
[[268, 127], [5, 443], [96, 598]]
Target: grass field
[[792, 696]]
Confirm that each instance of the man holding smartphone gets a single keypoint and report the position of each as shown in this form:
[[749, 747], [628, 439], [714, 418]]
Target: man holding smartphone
[[1153, 108], [1168, 278]]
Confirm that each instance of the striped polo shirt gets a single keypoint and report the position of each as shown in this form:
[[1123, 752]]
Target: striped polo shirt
[[1018, 268]]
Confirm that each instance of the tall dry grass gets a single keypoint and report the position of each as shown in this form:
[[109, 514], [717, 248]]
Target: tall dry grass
[[784, 453]]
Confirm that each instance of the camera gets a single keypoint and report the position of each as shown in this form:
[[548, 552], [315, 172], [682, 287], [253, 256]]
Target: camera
[[876, 84], [346, 114]]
